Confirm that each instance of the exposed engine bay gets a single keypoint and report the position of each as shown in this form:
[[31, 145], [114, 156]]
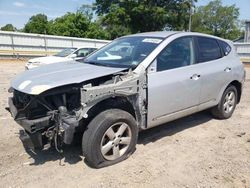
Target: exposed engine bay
[[54, 116]]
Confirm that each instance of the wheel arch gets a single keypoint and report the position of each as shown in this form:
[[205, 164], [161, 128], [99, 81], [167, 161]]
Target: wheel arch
[[119, 102], [127, 104], [238, 86]]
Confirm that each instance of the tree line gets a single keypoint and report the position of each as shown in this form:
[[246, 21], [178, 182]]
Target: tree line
[[109, 19]]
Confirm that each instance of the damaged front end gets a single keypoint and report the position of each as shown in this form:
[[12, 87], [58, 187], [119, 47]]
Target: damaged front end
[[48, 118], [53, 116]]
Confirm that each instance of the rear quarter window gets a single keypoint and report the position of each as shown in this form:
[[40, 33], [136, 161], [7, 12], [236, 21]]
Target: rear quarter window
[[226, 48], [208, 49]]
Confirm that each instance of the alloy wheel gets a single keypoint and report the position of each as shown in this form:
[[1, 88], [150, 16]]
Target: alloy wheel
[[229, 102], [115, 141]]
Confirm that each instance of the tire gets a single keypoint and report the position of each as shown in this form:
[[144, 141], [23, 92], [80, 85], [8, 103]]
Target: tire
[[227, 104], [108, 132]]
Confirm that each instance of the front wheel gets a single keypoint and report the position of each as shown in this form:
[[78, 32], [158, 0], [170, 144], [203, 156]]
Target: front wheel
[[227, 104], [110, 138]]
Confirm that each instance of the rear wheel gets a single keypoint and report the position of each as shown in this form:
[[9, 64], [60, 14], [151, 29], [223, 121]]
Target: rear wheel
[[227, 104], [110, 138]]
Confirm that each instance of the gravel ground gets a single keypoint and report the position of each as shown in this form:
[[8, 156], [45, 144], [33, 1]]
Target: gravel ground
[[195, 151]]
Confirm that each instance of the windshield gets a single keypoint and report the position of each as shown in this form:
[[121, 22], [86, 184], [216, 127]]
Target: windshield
[[65, 52], [127, 52]]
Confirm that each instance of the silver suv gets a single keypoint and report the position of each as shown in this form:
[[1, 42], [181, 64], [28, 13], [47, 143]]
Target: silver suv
[[134, 83]]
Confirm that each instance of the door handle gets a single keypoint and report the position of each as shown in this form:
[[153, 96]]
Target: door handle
[[195, 77], [228, 69]]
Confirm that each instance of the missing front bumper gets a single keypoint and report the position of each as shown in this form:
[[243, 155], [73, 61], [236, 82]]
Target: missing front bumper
[[30, 126], [31, 141], [57, 127]]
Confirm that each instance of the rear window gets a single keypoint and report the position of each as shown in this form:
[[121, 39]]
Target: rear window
[[209, 49], [225, 47]]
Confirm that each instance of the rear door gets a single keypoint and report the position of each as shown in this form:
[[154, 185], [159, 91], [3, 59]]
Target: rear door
[[174, 86], [214, 68]]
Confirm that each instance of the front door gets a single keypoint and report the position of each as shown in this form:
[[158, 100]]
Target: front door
[[174, 87]]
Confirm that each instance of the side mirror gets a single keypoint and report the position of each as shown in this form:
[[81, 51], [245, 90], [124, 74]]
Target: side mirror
[[73, 56]]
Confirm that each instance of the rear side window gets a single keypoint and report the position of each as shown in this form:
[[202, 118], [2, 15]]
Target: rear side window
[[225, 47], [209, 49]]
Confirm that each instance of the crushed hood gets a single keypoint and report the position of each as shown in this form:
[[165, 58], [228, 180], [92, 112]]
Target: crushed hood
[[36, 81]]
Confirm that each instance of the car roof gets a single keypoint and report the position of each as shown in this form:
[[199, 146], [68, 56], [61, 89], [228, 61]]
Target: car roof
[[86, 47], [160, 34], [165, 34]]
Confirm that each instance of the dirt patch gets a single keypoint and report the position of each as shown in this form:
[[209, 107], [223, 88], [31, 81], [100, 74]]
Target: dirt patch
[[196, 151], [247, 65]]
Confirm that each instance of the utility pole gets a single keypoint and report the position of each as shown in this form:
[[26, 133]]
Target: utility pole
[[190, 16]]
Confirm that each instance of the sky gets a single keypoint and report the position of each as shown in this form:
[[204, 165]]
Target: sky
[[243, 5], [18, 12]]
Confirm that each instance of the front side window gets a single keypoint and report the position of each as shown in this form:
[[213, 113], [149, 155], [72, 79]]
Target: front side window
[[208, 49], [177, 54], [82, 52], [127, 52], [92, 50], [65, 52]]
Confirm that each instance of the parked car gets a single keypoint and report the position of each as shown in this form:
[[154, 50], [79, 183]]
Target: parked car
[[134, 83], [66, 54]]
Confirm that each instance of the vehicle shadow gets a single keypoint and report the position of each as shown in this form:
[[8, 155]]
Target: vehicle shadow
[[171, 128], [72, 154]]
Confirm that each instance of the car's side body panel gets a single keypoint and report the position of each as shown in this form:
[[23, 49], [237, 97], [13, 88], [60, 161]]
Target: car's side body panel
[[215, 75], [170, 92]]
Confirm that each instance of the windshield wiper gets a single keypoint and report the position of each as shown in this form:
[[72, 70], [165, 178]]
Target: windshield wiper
[[109, 64], [95, 63]]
